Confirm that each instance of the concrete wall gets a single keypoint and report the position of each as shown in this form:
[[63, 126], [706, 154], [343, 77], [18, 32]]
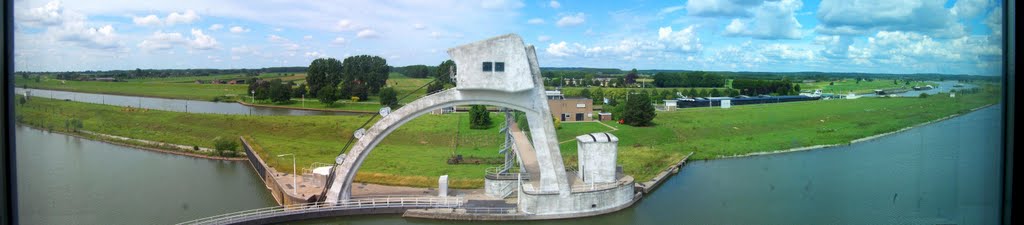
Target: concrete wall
[[560, 107], [577, 202], [508, 49], [276, 189], [597, 161], [496, 188]]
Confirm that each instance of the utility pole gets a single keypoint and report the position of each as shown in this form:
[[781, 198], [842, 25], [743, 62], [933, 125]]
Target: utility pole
[[295, 188]]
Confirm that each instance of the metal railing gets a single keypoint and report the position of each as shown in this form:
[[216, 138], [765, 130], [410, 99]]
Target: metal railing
[[355, 203]]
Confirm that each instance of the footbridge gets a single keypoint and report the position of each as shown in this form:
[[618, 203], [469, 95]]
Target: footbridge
[[354, 206]]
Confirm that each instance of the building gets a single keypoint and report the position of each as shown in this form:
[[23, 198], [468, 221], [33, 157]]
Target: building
[[569, 108]]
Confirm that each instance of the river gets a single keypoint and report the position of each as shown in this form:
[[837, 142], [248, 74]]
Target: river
[[945, 172], [177, 105]]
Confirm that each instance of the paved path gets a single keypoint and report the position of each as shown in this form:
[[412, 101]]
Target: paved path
[[526, 152]]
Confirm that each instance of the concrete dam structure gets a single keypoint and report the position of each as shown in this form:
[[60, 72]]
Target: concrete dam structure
[[503, 71]]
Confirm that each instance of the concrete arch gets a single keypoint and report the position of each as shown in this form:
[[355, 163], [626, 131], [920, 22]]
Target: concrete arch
[[518, 87]]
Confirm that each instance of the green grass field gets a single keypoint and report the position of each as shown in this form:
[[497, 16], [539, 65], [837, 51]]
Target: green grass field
[[864, 87], [415, 154]]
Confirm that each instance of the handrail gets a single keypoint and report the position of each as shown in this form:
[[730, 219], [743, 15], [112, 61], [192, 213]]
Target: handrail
[[355, 203]]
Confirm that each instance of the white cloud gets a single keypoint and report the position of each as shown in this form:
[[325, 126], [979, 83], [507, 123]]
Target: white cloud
[[181, 18], [501, 4], [535, 21], [543, 38], [725, 8], [367, 33], [242, 50], [339, 41], [671, 9], [307, 37], [418, 26], [571, 20], [970, 8], [839, 17], [238, 29], [344, 25], [316, 55], [560, 49], [47, 15], [684, 40], [150, 20], [216, 27], [165, 41], [275, 38], [771, 20], [554, 4]]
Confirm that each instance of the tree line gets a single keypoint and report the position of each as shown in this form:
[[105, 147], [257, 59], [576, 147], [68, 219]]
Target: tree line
[[356, 77], [763, 87], [689, 79]]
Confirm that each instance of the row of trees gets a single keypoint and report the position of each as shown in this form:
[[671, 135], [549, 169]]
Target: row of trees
[[275, 90], [356, 77], [688, 79], [763, 87]]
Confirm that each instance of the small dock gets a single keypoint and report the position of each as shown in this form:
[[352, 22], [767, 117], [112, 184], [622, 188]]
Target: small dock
[[647, 187]]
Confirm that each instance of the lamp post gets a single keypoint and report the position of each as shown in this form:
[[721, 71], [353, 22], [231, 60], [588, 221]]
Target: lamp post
[[303, 100], [295, 188]]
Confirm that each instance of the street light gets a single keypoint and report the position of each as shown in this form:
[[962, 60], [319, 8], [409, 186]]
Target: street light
[[295, 188]]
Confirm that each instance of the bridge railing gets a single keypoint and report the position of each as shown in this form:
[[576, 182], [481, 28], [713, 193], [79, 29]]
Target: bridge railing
[[355, 203]]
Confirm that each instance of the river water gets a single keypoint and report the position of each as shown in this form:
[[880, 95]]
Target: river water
[[943, 173], [177, 105]]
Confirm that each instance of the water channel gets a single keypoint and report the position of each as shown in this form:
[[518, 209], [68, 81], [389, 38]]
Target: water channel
[[943, 173], [177, 105]]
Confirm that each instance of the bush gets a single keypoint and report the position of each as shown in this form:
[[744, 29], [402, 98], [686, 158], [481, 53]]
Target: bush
[[225, 146], [388, 97], [923, 95], [479, 117], [638, 110]]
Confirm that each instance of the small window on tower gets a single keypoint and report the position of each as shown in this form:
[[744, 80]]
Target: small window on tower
[[487, 66], [499, 67]]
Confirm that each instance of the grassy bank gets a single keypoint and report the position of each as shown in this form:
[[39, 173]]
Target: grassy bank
[[415, 154]]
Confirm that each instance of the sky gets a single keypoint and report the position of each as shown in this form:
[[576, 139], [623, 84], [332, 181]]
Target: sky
[[871, 36]]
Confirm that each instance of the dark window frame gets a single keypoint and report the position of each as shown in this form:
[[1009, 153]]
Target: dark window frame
[[488, 66], [499, 66]]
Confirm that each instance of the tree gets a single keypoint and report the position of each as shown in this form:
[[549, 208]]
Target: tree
[[388, 97], [327, 95], [299, 91], [444, 71], [369, 72], [598, 96], [585, 93], [224, 146], [715, 92], [479, 117], [631, 77], [831, 83], [280, 92], [323, 72], [796, 87], [638, 110]]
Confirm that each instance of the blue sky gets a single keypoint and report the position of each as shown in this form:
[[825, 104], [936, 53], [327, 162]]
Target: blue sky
[[883, 36]]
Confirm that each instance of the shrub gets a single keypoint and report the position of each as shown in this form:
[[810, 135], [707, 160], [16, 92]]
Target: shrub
[[479, 117], [224, 146], [638, 110], [923, 95]]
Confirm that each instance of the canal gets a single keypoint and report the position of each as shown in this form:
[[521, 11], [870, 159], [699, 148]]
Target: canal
[[943, 173], [177, 105]]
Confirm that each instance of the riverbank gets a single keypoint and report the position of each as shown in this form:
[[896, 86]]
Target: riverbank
[[146, 145], [303, 108], [808, 148]]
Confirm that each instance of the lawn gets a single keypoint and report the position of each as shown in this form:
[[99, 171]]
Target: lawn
[[415, 154], [863, 87]]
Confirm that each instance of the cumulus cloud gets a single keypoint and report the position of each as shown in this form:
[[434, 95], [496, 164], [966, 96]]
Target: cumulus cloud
[[771, 20], [344, 25], [560, 49], [150, 20], [367, 33], [571, 20], [216, 27], [187, 17], [315, 55], [238, 29], [307, 37], [165, 41], [47, 15], [970, 8], [543, 38], [554, 4], [535, 21], [69, 26], [419, 26], [838, 17], [724, 8], [684, 40]]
